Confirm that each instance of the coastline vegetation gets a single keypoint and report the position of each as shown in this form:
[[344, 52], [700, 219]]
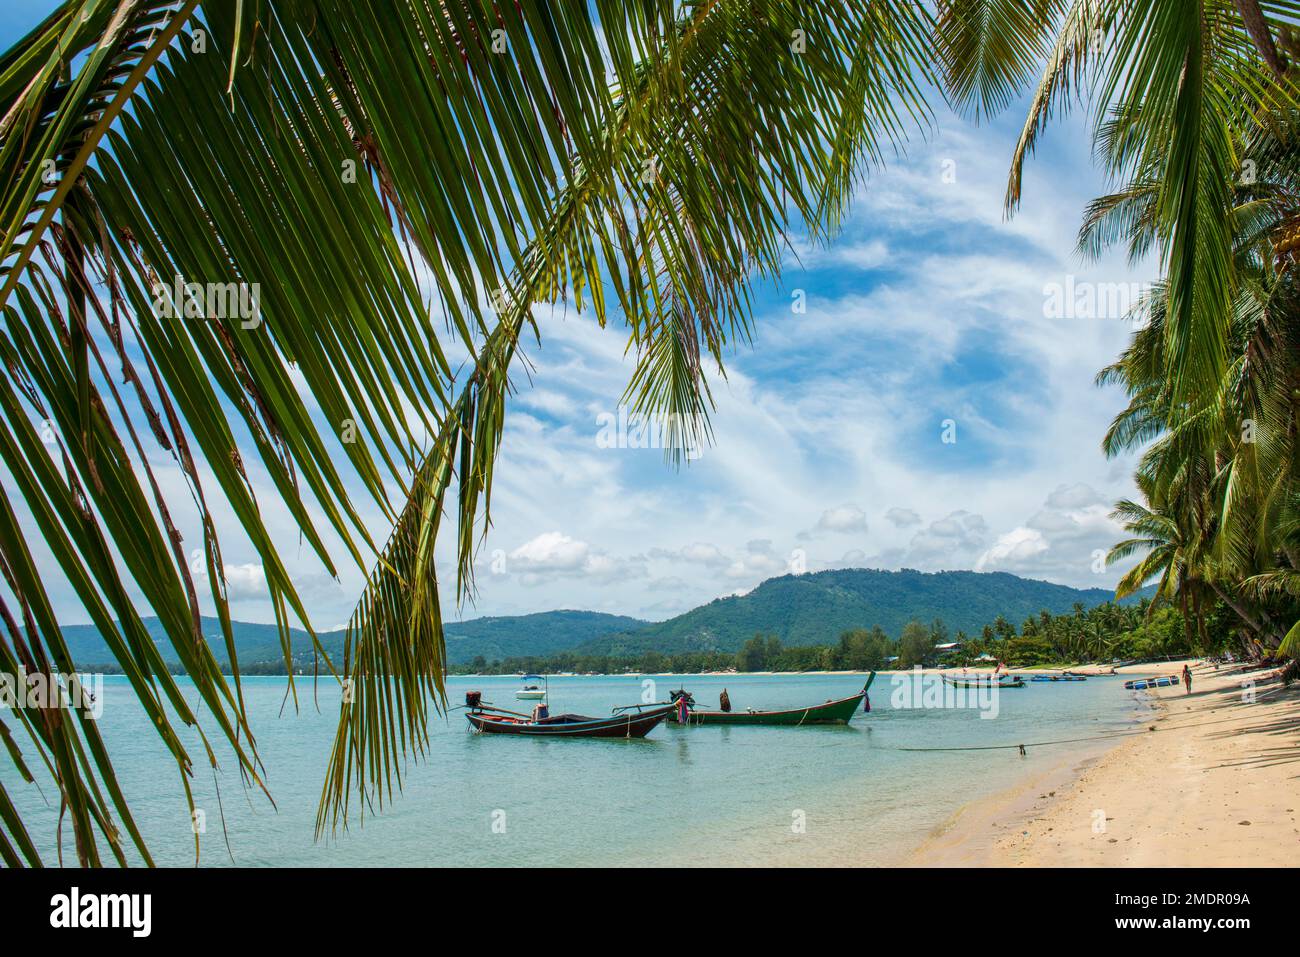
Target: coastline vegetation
[[1105, 633]]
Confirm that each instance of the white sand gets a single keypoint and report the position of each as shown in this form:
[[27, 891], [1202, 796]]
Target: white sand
[[1217, 784]]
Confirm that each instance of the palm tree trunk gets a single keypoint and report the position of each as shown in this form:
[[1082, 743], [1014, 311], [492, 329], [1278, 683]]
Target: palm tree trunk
[[1258, 29], [1236, 606]]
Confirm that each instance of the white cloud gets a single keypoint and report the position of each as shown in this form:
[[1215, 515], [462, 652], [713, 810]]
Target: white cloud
[[1076, 495], [551, 551], [863, 255], [853, 558], [697, 553], [845, 518], [547, 400], [243, 581], [902, 517], [1062, 541], [949, 538], [1016, 547]]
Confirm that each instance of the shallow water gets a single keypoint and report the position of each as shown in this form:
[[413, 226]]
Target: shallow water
[[700, 795]]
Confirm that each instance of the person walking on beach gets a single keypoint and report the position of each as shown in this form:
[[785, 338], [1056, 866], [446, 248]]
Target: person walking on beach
[[1187, 678]]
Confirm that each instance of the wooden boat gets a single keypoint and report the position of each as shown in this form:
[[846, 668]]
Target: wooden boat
[[1142, 684], [1065, 677], [633, 722], [979, 681], [837, 711]]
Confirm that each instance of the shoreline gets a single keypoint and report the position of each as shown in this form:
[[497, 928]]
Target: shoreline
[[1213, 785], [1092, 671]]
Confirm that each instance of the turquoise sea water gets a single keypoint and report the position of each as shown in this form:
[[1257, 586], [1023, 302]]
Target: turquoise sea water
[[682, 796]]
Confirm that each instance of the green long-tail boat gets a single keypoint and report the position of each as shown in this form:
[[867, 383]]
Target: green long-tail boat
[[830, 712]]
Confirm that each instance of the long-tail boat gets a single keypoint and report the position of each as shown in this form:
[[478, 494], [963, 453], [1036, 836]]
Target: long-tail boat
[[1143, 684], [634, 721], [984, 681], [837, 711], [1065, 677]]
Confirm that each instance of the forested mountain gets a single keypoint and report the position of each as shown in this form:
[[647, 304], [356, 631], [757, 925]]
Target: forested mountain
[[543, 633], [815, 608], [812, 609]]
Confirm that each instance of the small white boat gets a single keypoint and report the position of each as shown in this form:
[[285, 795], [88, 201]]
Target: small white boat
[[532, 690]]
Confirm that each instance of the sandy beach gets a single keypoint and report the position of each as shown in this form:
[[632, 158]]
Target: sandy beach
[[1211, 780]]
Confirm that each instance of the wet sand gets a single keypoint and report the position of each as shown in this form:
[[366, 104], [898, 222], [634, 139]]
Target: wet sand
[[1216, 784]]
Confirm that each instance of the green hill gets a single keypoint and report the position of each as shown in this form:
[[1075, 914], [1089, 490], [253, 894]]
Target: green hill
[[543, 633], [800, 610], [815, 608], [253, 643]]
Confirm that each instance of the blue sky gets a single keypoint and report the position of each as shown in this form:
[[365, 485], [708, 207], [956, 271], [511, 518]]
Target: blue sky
[[829, 431], [829, 451], [20, 17]]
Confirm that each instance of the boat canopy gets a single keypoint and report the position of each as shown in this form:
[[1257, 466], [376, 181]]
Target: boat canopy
[[531, 678]]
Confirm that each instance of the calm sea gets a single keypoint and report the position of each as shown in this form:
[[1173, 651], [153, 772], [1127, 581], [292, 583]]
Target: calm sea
[[682, 796]]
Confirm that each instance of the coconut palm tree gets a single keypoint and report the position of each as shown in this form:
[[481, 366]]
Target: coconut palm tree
[[1234, 457], [1194, 108], [1166, 544], [296, 246], [1168, 85]]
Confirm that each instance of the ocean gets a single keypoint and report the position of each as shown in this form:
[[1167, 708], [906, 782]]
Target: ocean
[[703, 795]]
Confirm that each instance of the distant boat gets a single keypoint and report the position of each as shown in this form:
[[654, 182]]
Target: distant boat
[[1142, 684], [1065, 677], [531, 689], [984, 681], [831, 712]]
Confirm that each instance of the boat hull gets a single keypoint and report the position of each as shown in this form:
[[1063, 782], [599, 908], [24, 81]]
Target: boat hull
[[964, 683], [832, 712], [629, 725], [1142, 684]]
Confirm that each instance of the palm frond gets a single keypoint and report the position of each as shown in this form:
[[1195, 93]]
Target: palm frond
[[989, 49]]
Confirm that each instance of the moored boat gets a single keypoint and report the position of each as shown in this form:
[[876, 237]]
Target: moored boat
[[1142, 684], [1065, 677], [531, 689], [836, 711], [983, 681], [633, 722]]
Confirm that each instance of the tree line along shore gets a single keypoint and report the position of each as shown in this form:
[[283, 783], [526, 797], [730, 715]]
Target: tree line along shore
[[1105, 633]]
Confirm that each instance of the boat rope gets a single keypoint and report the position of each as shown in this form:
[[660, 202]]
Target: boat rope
[[1029, 744], [1096, 737]]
